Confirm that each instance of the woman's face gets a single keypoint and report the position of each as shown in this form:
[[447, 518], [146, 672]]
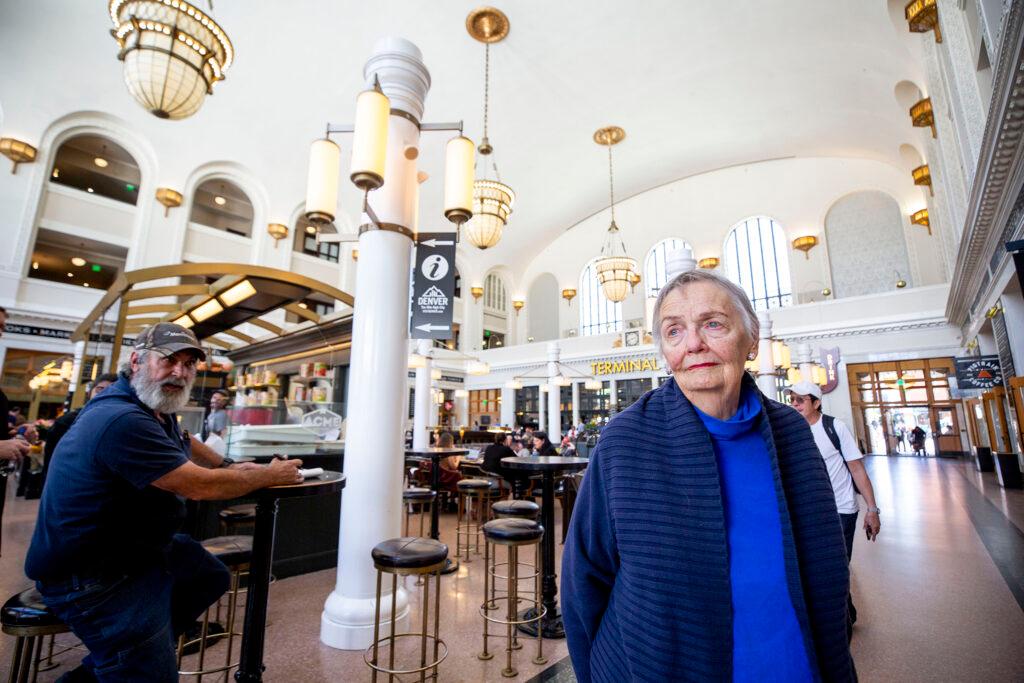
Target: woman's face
[[703, 338], [537, 442]]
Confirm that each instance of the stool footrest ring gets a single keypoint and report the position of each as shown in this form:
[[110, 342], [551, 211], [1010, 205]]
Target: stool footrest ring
[[385, 643]]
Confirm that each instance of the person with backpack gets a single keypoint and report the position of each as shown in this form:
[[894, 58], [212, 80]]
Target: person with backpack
[[845, 465]]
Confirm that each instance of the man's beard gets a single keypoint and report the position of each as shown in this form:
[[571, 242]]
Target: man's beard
[[152, 394]]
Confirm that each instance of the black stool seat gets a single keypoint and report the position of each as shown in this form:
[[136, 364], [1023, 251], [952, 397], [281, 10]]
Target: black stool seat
[[524, 509], [473, 484], [231, 550], [237, 513], [416, 493], [26, 609], [513, 530], [409, 553]]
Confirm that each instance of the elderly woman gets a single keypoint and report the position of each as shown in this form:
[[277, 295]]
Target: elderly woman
[[705, 543]]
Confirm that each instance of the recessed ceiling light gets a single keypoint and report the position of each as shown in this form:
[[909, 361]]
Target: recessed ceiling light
[[71, 274], [302, 304], [56, 173], [35, 265], [89, 190], [77, 261], [85, 284], [310, 229], [219, 201], [101, 162]]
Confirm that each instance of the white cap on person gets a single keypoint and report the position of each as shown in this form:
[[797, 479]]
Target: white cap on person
[[806, 388]]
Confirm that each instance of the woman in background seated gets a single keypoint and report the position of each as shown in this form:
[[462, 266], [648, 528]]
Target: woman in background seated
[[542, 444]]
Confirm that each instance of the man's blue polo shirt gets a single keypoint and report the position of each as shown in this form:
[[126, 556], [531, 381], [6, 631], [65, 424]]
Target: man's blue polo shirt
[[99, 513]]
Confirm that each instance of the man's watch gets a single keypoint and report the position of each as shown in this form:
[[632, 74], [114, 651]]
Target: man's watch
[[226, 462], [876, 510]]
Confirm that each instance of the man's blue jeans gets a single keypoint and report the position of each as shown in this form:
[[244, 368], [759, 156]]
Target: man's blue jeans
[[130, 622]]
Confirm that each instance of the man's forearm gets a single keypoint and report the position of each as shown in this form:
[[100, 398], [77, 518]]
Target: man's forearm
[[204, 455], [860, 476], [224, 484]]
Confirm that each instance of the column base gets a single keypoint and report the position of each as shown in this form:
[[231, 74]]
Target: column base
[[347, 623]]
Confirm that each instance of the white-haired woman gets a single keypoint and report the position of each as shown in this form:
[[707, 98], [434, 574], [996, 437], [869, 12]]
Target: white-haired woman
[[705, 543]]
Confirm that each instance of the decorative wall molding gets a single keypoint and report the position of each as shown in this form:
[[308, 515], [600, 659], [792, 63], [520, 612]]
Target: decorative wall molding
[[867, 330]]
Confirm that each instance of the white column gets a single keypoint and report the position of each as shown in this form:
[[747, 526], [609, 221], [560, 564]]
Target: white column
[[806, 361], [654, 382], [76, 370], [613, 396], [766, 366], [372, 502], [462, 411], [542, 407], [423, 398], [575, 403], [554, 428], [508, 406]]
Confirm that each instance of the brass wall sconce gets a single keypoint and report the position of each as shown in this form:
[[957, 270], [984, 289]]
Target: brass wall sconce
[[169, 198], [518, 305], [278, 231], [805, 244], [634, 280], [709, 263], [923, 176], [900, 282], [569, 294], [826, 292], [995, 310], [477, 292], [923, 16], [921, 218], [18, 152], [922, 116], [355, 254]]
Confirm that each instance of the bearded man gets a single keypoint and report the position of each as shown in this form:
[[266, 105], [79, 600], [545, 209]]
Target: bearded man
[[105, 553]]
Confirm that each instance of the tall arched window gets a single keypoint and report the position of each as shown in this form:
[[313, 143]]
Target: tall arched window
[[494, 293], [655, 271], [756, 258], [598, 315]]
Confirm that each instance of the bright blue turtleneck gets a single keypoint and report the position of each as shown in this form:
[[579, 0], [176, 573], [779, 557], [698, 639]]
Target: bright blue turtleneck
[[767, 641]]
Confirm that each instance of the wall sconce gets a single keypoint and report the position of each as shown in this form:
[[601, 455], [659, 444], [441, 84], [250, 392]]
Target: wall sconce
[[900, 282], [922, 116], [923, 16], [18, 152], [518, 305], [826, 292], [709, 263], [477, 292], [921, 218], [569, 294], [634, 280], [923, 176], [169, 198], [994, 311], [355, 254], [805, 244], [278, 231]]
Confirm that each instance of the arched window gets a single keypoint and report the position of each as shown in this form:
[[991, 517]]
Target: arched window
[[96, 165], [756, 258], [220, 204], [598, 315], [494, 293], [655, 272], [305, 240]]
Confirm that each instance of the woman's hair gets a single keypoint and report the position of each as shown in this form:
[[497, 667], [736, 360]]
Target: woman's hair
[[739, 299], [446, 440], [543, 436], [500, 438]]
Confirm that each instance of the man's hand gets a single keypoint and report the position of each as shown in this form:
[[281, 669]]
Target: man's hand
[[872, 525], [284, 472], [13, 449]]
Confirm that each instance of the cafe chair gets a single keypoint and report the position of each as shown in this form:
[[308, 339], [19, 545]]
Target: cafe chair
[[424, 499], [238, 519], [26, 617]]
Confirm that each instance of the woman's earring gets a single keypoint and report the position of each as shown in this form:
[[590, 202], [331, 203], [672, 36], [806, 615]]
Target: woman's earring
[[751, 356]]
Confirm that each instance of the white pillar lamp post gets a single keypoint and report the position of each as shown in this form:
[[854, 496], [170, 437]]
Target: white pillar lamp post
[[554, 426]]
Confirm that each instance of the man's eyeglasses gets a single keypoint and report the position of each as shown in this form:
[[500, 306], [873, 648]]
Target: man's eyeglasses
[[796, 400]]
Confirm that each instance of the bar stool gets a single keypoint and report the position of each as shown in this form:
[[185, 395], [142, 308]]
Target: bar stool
[[511, 509], [513, 534], [25, 616], [466, 533], [238, 518], [405, 557], [423, 497], [235, 552]]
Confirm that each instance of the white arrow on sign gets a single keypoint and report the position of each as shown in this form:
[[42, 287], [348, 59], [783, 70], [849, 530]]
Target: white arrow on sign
[[437, 243], [429, 327]]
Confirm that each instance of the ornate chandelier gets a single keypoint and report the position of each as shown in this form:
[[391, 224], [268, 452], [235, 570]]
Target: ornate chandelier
[[492, 199], [172, 52], [617, 272]]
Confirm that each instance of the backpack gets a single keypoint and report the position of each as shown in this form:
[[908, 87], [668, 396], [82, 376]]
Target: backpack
[[829, 423]]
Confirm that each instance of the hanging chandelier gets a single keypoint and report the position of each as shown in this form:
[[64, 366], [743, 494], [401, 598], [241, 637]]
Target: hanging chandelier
[[616, 271], [173, 53], [492, 199]]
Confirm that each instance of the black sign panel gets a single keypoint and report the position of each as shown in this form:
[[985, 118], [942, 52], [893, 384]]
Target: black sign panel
[[978, 372], [830, 361], [433, 286], [52, 333]]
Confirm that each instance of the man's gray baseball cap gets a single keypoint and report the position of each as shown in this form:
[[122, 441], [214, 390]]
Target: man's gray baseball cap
[[168, 339]]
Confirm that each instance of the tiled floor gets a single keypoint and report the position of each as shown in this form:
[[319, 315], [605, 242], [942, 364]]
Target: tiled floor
[[932, 603]]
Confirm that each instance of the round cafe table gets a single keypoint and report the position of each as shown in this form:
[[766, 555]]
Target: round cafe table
[[547, 466], [435, 454], [250, 667]]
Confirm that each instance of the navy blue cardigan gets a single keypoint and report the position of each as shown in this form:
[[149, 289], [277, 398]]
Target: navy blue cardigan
[[645, 572]]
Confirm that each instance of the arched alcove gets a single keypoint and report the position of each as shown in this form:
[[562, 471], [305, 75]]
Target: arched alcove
[[910, 156], [542, 308], [221, 204], [906, 94], [866, 244], [97, 165]]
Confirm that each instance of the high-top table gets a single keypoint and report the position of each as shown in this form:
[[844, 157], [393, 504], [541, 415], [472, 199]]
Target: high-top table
[[547, 466], [250, 667], [435, 454]]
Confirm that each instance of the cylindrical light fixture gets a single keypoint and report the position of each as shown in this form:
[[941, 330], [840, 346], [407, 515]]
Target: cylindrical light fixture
[[593, 385], [370, 142], [781, 355], [561, 381], [417, 361], [820, 376], [322, 182], [461, 393], [458, 179], [793, 375], [477, 368], [513, 384]]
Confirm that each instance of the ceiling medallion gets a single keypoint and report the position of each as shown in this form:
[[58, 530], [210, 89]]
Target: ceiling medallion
[[173, 53], [487, 24]]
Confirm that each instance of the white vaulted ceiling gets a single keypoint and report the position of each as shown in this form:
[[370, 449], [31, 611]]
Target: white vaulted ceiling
[[697, 84]]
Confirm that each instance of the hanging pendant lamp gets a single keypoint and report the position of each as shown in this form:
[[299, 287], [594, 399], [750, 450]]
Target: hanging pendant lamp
[[617, 272]]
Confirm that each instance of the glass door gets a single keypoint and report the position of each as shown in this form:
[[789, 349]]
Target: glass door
[[946, 431]]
